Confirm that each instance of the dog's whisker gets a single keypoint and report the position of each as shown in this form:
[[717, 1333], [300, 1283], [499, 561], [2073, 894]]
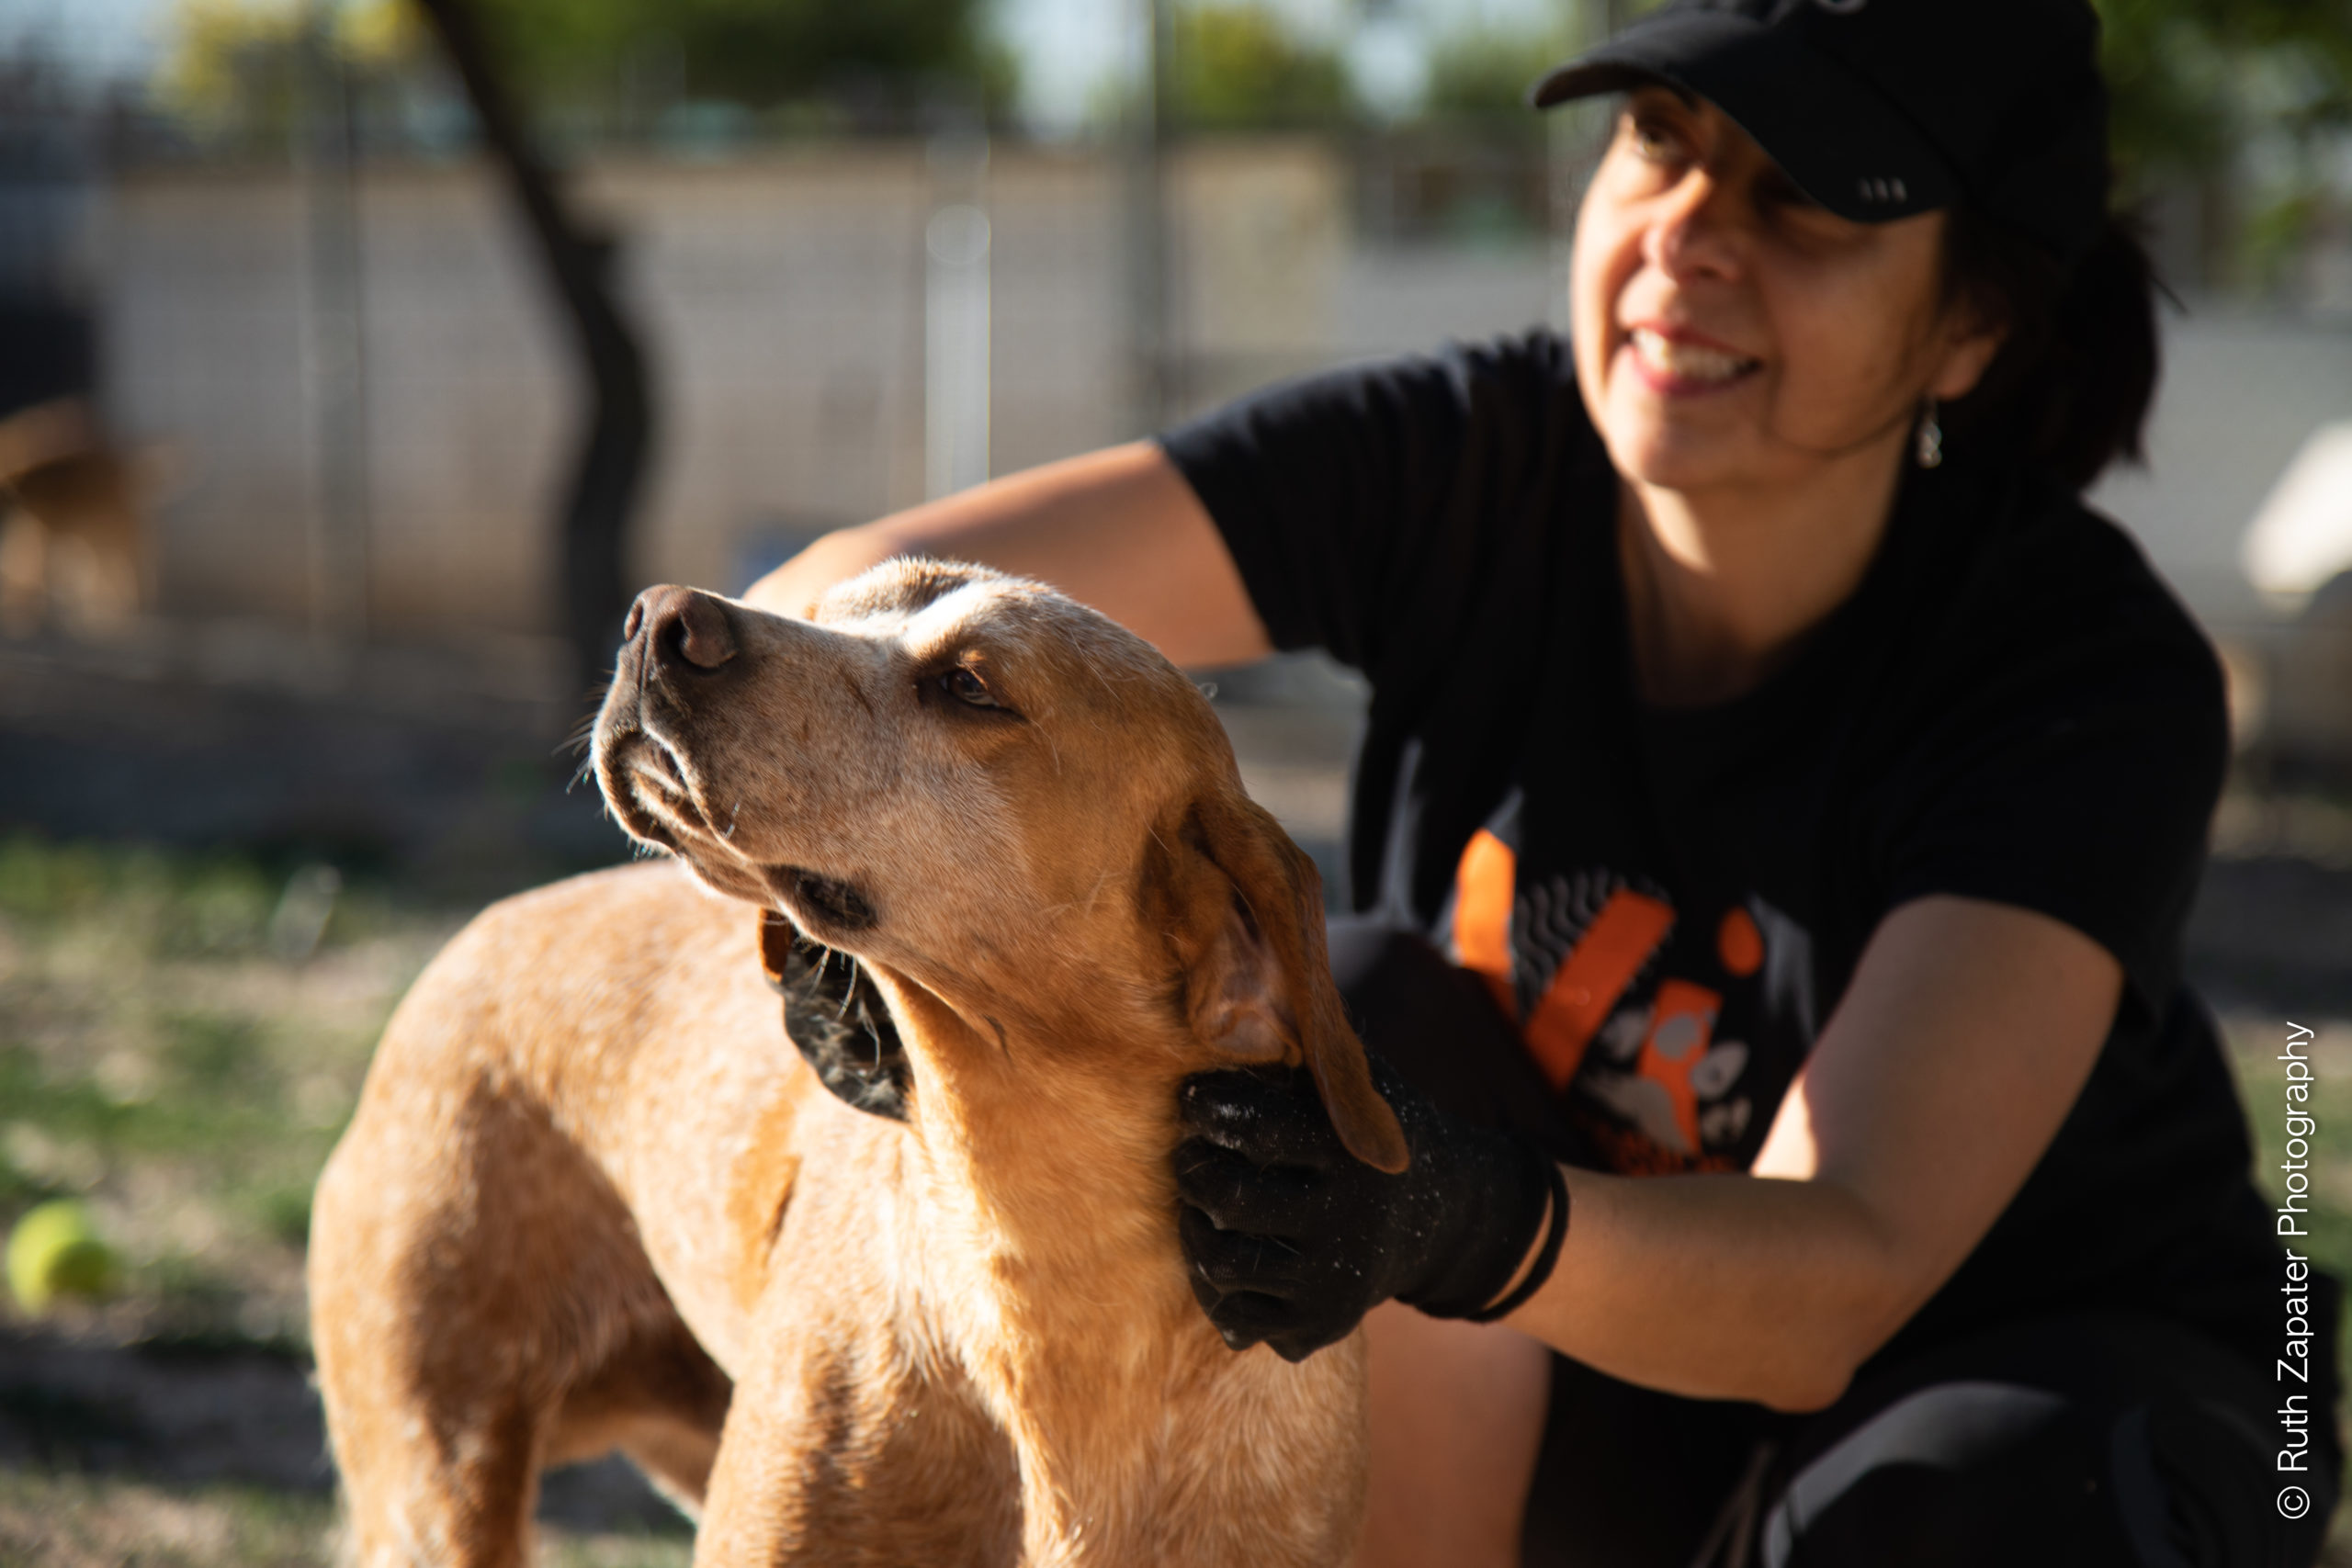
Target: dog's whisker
[[840, 1012]]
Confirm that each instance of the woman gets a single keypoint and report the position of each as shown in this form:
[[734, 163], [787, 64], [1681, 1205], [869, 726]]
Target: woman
[[1780, 807]]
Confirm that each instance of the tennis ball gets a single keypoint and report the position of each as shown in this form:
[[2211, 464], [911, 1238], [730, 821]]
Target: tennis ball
[[55, 1251]]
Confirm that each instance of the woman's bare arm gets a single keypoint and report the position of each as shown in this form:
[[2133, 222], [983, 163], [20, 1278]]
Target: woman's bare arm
[[1967, 1033], [1117, 530]]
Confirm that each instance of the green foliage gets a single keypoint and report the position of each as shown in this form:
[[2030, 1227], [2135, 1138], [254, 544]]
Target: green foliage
[[237, 72], [235, 65], [760, 53], [2241, 100], [2193, 79], [240, 71], [1237, 67], [2276, 235], [1480, 77]]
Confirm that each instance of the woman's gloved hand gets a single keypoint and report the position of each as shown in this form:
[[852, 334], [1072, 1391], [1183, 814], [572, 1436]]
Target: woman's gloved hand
[[1290, 1239]]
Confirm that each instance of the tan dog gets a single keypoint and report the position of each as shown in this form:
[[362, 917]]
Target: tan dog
[[591, 1188], [74, 540]]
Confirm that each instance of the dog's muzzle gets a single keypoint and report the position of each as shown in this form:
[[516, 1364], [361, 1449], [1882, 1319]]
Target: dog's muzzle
[[679, 648]]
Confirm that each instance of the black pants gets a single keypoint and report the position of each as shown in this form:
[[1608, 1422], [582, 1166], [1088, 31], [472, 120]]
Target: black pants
[[2069, 1442]]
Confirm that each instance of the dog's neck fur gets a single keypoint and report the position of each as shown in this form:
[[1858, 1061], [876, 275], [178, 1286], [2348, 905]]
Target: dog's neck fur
[[1079, 1328]]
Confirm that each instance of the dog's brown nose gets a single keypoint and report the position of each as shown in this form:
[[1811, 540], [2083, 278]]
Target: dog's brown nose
[[683, 627]]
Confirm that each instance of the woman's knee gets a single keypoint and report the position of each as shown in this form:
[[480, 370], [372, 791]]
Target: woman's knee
[[1457, 1415]]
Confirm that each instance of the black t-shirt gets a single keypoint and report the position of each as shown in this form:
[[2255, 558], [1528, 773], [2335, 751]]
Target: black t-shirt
[[2011, 706]]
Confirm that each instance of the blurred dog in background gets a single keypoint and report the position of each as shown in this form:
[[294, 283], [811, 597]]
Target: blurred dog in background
[[72, 538]]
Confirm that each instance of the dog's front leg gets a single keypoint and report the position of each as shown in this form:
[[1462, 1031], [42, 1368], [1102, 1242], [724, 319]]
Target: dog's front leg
[[844, 1446]]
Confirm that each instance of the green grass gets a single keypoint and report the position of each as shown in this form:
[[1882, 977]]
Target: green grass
[[164, 1060], [68, 1521], [64, 1521]]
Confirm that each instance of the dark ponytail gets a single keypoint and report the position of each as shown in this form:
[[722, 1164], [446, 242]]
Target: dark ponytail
[[2069, 390]]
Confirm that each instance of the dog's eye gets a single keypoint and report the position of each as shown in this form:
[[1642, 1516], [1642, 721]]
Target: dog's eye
[[966, 687]]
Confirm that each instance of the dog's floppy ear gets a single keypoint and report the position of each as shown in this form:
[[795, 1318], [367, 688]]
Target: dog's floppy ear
[[1258, 983]]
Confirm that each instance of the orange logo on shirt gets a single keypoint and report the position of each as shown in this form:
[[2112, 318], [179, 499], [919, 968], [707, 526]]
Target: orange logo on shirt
[[1590, 979], [1653, 1082], [1682, 1021], [1483, 887]]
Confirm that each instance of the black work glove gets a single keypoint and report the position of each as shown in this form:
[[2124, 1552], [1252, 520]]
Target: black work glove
[[1290, 1239]]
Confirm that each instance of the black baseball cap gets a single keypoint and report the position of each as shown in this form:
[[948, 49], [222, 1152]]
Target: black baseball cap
[[1881, 108]]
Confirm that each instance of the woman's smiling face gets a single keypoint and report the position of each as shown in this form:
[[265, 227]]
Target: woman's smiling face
[[1730, 331]]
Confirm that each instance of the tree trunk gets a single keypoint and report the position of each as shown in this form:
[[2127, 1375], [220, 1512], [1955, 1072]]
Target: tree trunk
[[609, 469]]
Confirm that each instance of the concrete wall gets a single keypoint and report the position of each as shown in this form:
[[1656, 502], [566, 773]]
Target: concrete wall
[[780, 300], [2241, 394]]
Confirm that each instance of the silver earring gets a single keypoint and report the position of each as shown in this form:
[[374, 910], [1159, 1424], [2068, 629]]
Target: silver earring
[[1931, 438]]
